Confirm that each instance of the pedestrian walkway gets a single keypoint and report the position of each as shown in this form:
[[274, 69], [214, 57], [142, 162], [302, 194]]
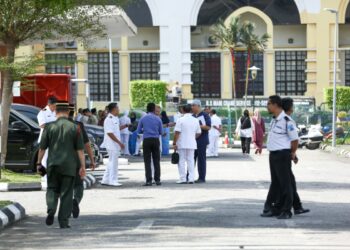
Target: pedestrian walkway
[[221, 214]]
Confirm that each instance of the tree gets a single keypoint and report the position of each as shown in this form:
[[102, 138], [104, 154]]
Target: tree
[[229, 38], [31, 20], [253, 44]]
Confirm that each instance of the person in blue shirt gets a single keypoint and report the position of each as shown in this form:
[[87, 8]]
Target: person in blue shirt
[[151, 127], [202, 141]]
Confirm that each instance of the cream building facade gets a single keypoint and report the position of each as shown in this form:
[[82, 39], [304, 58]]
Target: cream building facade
[[173, 44]]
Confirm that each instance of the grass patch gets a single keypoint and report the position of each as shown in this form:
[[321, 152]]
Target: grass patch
[[5, 203], [12, 177]]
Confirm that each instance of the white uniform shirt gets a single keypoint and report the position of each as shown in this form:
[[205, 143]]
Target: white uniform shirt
[[282, 132], [215, 121], [124, 120], [45, 116], [188, 126], [111, 125]]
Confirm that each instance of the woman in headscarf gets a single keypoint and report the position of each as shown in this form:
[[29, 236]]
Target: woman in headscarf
[[259, 132], [132, 129], [166, 133], [125, 122], [245, 129]]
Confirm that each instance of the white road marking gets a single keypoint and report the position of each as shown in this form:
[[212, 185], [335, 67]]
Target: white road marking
[[145, 225]]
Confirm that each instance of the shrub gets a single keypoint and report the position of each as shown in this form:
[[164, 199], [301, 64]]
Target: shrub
[[145, 91], [343, 98], [342, 114]]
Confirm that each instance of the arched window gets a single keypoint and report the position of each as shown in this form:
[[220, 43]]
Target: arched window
[[280, 11]]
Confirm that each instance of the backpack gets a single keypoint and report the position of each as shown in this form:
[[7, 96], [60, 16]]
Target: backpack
[[245, 123]]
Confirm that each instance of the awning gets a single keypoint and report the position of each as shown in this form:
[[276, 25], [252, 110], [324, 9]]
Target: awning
[[115, 20]]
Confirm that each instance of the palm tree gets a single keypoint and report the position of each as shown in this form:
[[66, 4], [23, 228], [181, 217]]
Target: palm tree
[[253, 44], [228, 37]]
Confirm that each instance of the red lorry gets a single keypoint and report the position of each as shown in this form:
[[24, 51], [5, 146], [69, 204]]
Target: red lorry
[[36, 89]]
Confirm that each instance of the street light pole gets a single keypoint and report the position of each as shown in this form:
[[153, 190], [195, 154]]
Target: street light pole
[[254, 71], [334, 135]]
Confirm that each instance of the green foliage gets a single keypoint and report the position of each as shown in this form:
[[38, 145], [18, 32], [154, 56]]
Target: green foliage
[[250, 40], [145, 91], [23, 66], [12, 177], [227, 36], [342, 114], [5, 203], [343, 98]]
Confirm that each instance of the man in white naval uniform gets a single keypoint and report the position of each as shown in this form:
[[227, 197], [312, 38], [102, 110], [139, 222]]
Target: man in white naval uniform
[[113, 144], [46, 115], [187, 129], [124, 131], [214, 135]]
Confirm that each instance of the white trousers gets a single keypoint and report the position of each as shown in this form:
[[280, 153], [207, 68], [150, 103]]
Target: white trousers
[[125, 141], [44, 163], [110, 176], [186, 160], [213, 149], [138, 144]]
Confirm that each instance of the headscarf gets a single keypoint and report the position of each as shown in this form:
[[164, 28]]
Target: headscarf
[[165, 118], [257, 116], [133, 117]]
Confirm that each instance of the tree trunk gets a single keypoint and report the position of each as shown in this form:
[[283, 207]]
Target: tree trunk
[[247, 80], [232, 52], [6, 102]]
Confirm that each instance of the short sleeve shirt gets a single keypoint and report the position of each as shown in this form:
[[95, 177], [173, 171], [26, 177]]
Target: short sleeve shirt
[[188, 127], [282, 132], [63, 138], [111, 125], [204, 119], [215, 121], [45, 116]]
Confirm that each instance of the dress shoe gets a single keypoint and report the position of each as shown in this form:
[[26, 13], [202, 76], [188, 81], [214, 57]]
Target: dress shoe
[[65, 226], [50, 219], [104, 183], [199, 181], [147, 184], [76, 209], [181, 182], [284, 216], [301, 211], [267, 214], [158, 183], [190, 182], [116, 184]]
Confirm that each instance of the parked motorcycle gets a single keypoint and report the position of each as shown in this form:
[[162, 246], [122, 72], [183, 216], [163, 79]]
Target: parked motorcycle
[[310, 138]]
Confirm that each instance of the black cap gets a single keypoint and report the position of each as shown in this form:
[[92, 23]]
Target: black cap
[[62, 105], [71, 107], [52, 100]]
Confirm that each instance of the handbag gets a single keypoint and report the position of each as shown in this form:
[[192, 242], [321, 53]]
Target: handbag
[[175, 158]]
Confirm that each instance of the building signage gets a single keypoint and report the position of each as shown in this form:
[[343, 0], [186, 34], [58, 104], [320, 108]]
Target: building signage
[[258, 102]]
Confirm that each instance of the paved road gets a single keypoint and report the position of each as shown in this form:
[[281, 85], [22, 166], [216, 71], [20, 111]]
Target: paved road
[[222, 214]]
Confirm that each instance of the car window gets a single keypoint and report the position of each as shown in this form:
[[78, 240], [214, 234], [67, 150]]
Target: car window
[[30, 115], [11, 120]]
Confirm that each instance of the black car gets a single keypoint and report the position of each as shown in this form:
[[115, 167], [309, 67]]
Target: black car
[[96, 133], [22, 143], [26, 114]]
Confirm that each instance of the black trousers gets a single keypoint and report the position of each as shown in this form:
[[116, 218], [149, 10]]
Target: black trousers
[[245, 143], [281, 182], [296, 199], [151, 150], [200, 156]]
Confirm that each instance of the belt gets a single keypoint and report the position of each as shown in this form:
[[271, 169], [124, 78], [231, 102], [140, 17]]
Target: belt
[[281, 151]]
